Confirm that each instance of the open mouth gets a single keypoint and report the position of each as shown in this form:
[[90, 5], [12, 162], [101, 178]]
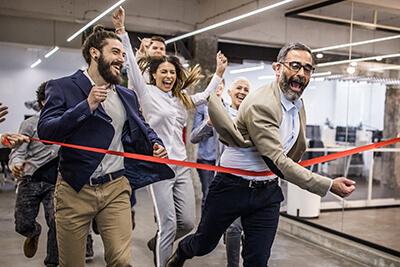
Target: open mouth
[[296, 86], [167, 84], [117, 67], [240, 97]]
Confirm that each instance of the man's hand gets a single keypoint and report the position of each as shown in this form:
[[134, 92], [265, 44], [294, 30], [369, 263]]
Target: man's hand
[[342, 186], [222, 62], [3, 112], [13, 140], [144, 46], [97, 95], [118, 19], [159, 151], [17, 170]]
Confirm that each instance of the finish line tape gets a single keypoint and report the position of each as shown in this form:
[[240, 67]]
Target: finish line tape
[[207, 167]]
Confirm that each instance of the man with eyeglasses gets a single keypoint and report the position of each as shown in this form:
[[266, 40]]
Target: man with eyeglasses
[[267, 134]]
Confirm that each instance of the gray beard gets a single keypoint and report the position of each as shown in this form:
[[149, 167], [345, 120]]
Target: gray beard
[[287, 92]]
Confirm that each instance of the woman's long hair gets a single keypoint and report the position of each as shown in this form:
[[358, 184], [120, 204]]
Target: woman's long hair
[[184, 77]]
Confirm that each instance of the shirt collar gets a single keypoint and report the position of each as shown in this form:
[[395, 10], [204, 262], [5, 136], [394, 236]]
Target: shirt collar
[[111, 87]]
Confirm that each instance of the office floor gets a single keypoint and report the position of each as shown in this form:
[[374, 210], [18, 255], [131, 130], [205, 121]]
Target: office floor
[[287, 251]]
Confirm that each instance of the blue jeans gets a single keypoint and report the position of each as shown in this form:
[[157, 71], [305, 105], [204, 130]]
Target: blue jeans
[[206, 177], [233, 237], [227, 200], [30, 195]]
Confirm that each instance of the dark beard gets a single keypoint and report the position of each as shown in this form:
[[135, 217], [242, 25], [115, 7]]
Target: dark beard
[[104, 69], [287, 91]]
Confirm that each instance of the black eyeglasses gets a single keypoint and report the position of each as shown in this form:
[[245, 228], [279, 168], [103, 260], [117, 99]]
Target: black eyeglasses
[[296, 67]]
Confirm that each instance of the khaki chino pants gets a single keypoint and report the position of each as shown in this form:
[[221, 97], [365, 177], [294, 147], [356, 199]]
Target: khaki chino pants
[[109, 204]]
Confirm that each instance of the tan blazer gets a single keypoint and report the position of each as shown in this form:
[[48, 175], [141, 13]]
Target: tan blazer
[[257, 124]]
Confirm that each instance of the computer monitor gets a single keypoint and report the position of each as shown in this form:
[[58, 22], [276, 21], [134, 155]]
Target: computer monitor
[[313, 132], [341, 135]]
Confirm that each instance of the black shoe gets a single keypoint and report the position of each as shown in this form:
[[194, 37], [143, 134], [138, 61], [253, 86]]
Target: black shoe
[[94, 227], [174, 261], [89, 248], [151, 244]]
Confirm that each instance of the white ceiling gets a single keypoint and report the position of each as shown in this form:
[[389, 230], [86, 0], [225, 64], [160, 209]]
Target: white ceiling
[[50, 22]]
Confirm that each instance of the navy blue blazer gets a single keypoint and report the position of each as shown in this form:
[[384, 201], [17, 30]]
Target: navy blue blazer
[[66, 118]]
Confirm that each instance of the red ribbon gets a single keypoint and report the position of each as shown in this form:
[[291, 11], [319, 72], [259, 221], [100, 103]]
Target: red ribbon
[[305, 163]]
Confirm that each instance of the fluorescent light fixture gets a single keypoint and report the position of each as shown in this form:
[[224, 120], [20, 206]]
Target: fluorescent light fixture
[[385, 68], [222, 23], [95, 20], [319, 74], [355, 60], [319, 55], [55, 49], [317, 79], [356, 43], [268, 77], [261, 67], [36, 63]]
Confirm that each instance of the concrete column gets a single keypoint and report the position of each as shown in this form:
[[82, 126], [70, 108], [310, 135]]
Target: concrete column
[[391, 161], [204, 49]]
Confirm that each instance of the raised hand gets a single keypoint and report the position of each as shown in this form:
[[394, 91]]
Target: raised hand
[[3, 112], [118, 19], [222, 62]]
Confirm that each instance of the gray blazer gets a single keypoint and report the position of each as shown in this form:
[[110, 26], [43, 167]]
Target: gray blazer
[[257, 124]]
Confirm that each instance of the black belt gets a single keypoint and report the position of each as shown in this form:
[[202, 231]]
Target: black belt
[[252, 183], [105, 178]]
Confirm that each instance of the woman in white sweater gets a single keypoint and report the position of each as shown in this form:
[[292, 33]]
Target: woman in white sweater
[[165, 104]]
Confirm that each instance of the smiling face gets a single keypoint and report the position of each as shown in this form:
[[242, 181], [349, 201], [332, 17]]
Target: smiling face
[[165, 76], [238, 93], [157, 48], [291, 82], [111, 61]]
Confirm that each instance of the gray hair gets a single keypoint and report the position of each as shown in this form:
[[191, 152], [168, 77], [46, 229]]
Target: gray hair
[[293, 46], [238, 79]]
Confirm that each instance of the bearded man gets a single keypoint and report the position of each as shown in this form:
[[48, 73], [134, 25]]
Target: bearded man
[[267, 134], [90, 109]]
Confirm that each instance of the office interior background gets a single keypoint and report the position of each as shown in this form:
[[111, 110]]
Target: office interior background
[[353, 98]]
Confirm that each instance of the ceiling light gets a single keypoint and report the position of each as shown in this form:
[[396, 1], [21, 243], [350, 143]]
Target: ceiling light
[[351, 70], [95, 20], [353, 64], [222, 23], [261, 67], [55, 49], [269, 77], [36, 63], [320, 55], [378, 58], [355, 60], [385, 68], [321, 74], [356, 43]]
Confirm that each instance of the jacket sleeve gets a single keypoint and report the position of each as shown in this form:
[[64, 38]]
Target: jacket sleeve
[[263, 127], [201, 130], [57, 122]]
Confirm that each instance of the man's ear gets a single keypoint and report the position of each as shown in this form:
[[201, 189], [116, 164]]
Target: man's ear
[[94, 53], [277, 67]]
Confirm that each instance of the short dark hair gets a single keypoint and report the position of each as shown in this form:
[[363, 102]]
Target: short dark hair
[[97, 39], [40, 95], [293, 46], [158, 39]]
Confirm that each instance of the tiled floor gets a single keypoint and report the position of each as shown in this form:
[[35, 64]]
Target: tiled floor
[[287, 251]]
